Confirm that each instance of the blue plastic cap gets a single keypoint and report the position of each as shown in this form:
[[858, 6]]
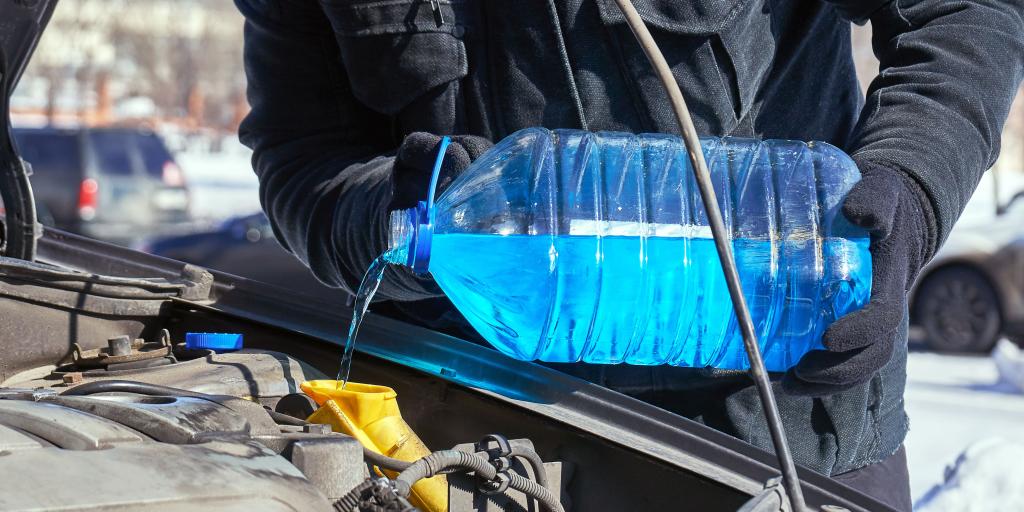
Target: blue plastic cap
[[419, 256], [216, 341]]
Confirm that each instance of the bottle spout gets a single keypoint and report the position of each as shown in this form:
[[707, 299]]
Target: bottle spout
[[401, 227], [409, 238]]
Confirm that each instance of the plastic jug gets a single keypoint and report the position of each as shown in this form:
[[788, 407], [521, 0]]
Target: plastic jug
[[370, 414], [568, 246]]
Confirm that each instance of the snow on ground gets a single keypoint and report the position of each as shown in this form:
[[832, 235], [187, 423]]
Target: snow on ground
[[987, 477], [954, 402], [1009, 360]]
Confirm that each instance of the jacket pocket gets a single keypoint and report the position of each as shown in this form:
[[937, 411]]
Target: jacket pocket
[[732, 44], [395, 51]]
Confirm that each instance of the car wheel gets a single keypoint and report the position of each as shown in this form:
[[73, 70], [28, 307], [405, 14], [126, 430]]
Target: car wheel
[[959, 310]]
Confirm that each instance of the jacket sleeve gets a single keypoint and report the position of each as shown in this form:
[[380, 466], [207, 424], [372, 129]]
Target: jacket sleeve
[[323, 160], [948, 73]]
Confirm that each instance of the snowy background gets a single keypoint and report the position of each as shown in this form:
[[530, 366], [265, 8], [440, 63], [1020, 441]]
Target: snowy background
[[955, 402]]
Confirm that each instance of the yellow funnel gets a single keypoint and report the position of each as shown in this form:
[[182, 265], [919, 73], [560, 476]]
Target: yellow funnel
[[370, 414]]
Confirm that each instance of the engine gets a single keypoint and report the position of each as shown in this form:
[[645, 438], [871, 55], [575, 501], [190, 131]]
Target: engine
[[156, 426]]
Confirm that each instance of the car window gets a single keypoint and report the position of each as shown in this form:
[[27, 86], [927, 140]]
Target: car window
[[50, 153], [113, 152], [154, 154]]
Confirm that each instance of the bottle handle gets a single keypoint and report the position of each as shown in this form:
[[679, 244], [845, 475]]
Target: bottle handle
[[419, 257]]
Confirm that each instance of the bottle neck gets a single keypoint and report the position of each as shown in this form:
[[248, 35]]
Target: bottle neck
[[401, 236], [409, 238]]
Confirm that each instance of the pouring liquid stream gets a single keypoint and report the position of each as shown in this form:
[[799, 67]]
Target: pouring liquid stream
[[367, 289]]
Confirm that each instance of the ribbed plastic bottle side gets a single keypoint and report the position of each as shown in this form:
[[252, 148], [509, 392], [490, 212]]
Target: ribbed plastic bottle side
[[575, 246], [776, 241], [640, 282]]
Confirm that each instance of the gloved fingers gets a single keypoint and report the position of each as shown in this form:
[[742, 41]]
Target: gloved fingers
[[878, 320], [456, 160], [881, 316], [418, 153], [872, 202], [415, 159], [417, 150], [822, 372], [473, 145], [860, 343]]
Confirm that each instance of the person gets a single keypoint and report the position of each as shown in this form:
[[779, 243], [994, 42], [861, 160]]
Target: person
[[349, 99]]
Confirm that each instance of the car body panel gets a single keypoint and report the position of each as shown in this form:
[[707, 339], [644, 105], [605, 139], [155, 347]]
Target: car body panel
[[245, 246]]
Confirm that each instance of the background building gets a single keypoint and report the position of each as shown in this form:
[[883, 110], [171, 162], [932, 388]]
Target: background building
[[164, 62]]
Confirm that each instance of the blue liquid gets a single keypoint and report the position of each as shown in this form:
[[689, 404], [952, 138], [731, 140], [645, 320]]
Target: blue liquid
[[367, 289], [646, 301]]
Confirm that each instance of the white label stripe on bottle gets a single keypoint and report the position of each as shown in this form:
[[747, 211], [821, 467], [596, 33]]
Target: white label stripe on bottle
[[589, 227]]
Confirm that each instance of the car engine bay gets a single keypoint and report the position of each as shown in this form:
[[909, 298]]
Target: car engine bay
[[235, 438], [169, 427]]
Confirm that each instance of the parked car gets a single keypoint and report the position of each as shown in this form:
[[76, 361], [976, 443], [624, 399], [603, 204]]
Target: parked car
[[972, 292], [112, 184], [244, 246]]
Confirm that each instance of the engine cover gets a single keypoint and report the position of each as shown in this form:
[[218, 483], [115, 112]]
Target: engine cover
[[166, 453]]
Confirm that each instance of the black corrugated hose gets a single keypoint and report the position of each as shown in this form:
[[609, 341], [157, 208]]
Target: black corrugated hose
[[391, 464], [382, 498], [350, 502], [535, 462], [437, 462]]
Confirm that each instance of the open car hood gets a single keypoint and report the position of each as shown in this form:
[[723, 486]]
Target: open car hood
[[21, 24]]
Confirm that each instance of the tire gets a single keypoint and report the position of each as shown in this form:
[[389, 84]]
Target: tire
[[959, 310]]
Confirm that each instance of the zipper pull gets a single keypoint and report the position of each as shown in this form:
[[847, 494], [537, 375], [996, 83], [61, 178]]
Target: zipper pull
[[435, 5]]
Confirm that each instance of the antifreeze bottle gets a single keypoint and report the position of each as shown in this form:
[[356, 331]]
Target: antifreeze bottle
[[567, 245]]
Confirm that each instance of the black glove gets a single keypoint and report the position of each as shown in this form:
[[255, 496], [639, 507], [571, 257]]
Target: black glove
[[897, 213], [415, 162]]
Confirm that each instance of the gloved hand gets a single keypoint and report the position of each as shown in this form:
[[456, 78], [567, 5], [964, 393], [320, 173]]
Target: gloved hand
[[897, 213], [415, 162]]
